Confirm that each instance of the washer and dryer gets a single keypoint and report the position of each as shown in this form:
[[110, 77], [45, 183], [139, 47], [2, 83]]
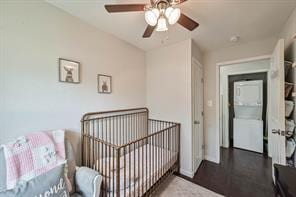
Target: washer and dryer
[[247, 122]]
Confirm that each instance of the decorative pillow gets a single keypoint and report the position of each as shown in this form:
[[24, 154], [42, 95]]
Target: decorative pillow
[[50, 184]]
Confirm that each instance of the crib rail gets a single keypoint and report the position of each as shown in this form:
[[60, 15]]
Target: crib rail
[[132, 152]]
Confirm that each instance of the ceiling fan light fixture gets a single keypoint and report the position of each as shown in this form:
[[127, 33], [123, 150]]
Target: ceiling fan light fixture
[[174, 16], [151, 16], [159, 14], [162, 24]]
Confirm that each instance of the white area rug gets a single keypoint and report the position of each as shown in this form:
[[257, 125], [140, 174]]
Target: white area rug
[[175, 186]]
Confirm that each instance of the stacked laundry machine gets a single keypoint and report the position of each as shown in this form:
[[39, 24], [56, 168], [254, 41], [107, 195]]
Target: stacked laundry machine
[[248, 109]]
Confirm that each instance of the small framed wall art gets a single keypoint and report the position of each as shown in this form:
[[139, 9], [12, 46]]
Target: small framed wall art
[[104, 84], [69, 71]]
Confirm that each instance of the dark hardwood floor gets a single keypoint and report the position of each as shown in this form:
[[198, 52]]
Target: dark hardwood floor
[[240, 174]]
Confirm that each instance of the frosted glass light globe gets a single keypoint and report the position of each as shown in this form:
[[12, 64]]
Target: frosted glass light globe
[[162, 24], [168, 11], [151, 16], [174, 15]]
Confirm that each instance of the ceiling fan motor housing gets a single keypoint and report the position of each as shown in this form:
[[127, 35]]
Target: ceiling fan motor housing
[[168, 2]]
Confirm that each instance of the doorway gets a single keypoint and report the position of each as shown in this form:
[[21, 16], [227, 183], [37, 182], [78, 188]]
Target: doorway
[[255, 68], [249, 77]]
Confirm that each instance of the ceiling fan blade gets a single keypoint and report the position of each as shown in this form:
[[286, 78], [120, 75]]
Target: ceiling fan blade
[[182, 1], [148, 32], [187, 22], [176, 2], [125, 8]]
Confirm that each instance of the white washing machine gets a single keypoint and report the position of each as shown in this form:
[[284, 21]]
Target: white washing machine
[[247, 122]]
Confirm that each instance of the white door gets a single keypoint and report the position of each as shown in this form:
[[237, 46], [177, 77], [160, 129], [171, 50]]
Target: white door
[[276, 106], [197, 116]]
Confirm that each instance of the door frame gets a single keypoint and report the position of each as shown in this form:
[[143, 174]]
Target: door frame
[[218, 119], [194, 164]]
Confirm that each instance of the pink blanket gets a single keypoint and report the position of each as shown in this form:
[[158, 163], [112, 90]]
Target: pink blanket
[[32, 155]]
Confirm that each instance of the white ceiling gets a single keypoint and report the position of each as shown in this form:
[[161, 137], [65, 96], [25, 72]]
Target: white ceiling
[[219, 20]]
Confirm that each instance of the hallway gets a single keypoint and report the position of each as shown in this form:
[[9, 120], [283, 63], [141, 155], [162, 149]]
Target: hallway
[[240, 174]]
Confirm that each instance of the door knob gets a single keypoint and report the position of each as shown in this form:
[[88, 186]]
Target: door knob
[[282, 133], [196, 122], [276, 131]]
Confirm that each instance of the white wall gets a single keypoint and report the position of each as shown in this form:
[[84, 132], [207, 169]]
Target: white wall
[[169, 91], [289, 30], [238, 51], [197, 54], [33, 36]]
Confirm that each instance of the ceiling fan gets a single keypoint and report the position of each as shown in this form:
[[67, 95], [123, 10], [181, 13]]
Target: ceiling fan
[[158, 14]]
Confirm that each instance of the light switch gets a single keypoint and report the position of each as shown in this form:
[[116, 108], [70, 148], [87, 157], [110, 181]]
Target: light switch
[[210, 103]]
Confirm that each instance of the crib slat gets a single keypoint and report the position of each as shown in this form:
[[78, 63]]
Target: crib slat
[[146, 163], [129, 169], [150, 163], [113, 172], [124, 168], [139, 180], [118, 173], [162, 154], [88, 145], [142, 167], [134, 168]]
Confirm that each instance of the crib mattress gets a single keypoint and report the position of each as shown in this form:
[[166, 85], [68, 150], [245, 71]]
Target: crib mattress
[[143, 167]]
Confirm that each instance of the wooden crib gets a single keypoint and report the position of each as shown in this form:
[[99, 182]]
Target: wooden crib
[[133, 153]]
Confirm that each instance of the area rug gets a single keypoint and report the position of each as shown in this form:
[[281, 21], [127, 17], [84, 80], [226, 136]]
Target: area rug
[[176, 186]]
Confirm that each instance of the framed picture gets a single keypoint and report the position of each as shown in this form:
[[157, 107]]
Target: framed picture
[[69, 71], [104, 84]]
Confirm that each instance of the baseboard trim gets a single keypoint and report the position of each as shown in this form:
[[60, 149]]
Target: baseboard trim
[[212, 159], [186, 173], [196, 165]]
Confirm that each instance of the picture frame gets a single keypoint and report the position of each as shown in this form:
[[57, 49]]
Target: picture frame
[[69, 71], [104, 84]]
